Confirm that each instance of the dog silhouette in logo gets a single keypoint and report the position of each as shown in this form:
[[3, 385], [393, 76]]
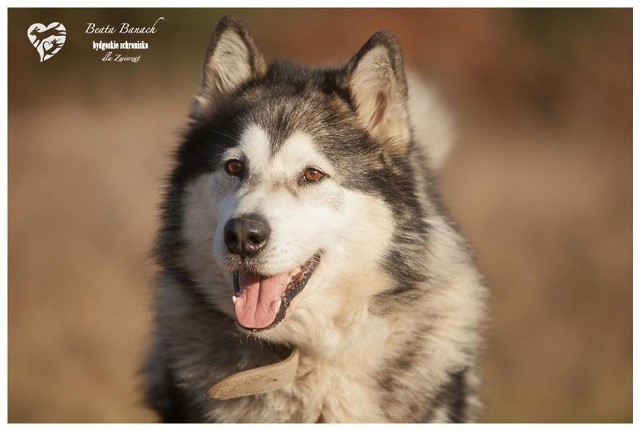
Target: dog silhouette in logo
[[47, 39], [42, 35]]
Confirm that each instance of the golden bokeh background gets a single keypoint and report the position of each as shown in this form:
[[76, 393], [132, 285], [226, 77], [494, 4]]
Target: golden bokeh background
[[540, 181]]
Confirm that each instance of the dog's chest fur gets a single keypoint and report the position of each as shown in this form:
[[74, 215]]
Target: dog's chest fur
[[325, 393], [337, 380]]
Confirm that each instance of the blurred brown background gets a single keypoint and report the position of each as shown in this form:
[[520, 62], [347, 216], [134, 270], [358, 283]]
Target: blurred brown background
[[540, 180]]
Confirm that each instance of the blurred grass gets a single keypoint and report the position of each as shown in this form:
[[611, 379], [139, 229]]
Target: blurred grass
[[540, 181]]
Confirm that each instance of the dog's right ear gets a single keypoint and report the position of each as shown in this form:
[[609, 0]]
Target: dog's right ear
[[232, 59]]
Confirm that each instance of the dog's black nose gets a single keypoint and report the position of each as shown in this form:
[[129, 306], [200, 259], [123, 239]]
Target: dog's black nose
[[246, 235]]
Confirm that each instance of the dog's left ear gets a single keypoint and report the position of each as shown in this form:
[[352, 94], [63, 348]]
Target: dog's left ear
[[232, 59], [376, 80]]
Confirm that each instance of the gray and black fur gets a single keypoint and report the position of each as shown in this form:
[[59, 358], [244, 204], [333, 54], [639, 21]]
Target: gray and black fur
[[430, 310]]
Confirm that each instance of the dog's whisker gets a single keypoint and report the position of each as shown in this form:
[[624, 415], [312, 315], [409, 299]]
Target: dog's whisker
[[225, 135], [301, 247]]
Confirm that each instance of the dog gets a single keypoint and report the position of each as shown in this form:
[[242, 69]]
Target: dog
[[309, 272]]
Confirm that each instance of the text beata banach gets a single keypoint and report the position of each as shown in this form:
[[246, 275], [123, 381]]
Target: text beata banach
[[112, 45]]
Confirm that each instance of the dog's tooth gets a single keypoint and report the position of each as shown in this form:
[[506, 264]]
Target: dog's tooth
[[275, 305], [234, 298], [295, 272]]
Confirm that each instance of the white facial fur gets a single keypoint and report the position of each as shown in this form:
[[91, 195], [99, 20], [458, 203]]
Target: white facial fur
[[304, 219]]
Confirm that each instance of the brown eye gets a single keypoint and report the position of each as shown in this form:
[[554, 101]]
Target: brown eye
[[234, 167], [313, 175]]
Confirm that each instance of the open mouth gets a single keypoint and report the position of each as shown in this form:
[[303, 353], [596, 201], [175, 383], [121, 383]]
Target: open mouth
[[261, 301]]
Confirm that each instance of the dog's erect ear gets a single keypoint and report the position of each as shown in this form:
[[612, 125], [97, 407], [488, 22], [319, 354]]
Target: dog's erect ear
[[375, 77], [232, 59]]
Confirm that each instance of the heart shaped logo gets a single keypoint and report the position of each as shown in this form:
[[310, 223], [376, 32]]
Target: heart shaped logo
[[48, 40]]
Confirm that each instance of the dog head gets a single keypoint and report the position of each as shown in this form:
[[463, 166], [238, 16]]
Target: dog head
[[281, 204]]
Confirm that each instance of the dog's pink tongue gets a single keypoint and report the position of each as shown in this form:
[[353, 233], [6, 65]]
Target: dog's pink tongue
[[258, 302]]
